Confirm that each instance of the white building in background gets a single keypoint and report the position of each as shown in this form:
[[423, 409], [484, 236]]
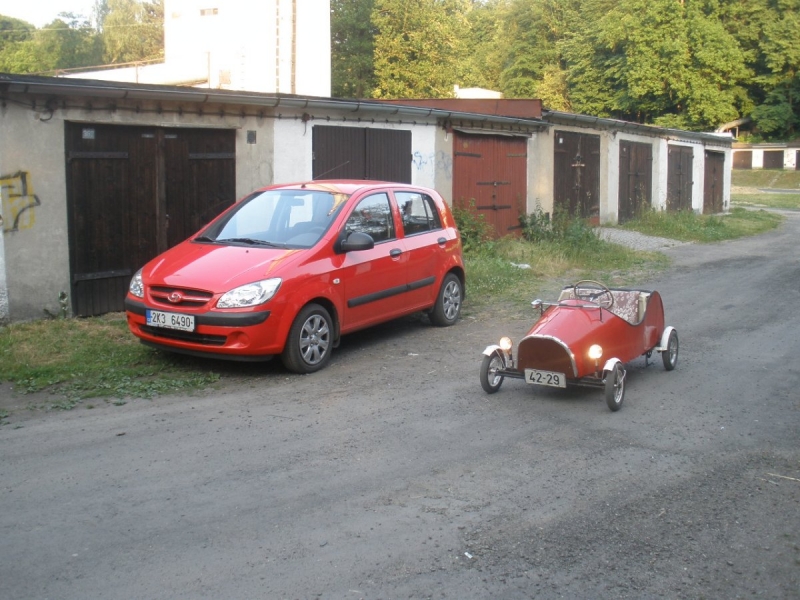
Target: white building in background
[[268, 46]]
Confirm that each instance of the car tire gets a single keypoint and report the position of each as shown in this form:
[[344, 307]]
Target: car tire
[[670, 354], [310, 341], [490, 380], [447, 309], [615, 387]]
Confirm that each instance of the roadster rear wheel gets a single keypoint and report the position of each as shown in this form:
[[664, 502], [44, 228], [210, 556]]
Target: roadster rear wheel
[[615, 387], [670, 354], [490, 379]]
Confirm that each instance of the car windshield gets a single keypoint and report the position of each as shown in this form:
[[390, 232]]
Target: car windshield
[[278, 219]]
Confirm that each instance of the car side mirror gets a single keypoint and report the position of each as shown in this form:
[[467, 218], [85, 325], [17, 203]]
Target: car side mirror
[[538, 305], [357, 240]]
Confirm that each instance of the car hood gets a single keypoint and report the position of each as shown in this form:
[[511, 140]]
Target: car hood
[[217, 268]]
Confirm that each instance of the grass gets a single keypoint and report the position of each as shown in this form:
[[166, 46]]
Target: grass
[[78, 359], [690, 227], [747, 186]]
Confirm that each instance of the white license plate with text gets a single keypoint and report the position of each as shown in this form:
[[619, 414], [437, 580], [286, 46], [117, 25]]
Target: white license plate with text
[[550, 378], [168, 320]]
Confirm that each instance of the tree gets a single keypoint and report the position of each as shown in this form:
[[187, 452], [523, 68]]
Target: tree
[[67, 42], [352, 35], [532, 63], [132, 30], [667, 62], [419, 47]]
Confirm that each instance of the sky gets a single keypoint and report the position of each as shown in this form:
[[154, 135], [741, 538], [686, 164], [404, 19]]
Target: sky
[[41, 12]]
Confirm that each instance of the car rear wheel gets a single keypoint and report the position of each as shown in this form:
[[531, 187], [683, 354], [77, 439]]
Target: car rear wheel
[[448, 303], [670, 354], [491, 380], [310, 342], [615, 387]]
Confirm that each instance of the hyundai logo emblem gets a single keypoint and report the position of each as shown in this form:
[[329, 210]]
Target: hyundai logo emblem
[[175, 297]]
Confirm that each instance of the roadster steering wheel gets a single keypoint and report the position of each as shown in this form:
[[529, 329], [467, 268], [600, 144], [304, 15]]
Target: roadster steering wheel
[[593, 291]]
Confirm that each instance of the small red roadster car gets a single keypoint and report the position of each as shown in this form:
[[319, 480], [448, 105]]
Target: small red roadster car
[[584, 339]]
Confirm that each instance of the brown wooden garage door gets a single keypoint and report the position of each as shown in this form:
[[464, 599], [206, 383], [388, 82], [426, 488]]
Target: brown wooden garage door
[[576, 188], [635, 179], [361, 153], [490, 178], [713, 182], [132, 192], [679, 178]]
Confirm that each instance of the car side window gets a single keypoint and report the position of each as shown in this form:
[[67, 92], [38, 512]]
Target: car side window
[[419, 212], [373, 215]]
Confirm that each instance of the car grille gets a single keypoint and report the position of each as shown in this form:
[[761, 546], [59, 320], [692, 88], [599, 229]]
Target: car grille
[[185, 336], [182, 297]]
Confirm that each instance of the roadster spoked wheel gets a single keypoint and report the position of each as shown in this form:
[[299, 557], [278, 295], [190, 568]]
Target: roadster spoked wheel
[[308, 347], [491, 380], [670, 354], [615, 387]]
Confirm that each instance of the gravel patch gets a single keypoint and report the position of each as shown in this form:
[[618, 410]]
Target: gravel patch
[[636, 240]]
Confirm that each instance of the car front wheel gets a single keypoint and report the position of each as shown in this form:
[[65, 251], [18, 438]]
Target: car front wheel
[[448, 303], [310, 342]]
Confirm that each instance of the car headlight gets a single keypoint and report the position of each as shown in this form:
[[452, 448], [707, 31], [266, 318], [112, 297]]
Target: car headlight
[[136, 287], [251, 294], [505, 343]]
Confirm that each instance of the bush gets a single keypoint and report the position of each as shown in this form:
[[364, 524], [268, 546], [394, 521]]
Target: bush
[[476, 233]]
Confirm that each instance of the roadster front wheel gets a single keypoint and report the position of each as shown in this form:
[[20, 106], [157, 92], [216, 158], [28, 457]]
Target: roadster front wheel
[[615, 387], [491, 380]]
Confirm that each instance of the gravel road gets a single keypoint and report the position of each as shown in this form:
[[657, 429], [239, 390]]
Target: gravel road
[[392, 475]]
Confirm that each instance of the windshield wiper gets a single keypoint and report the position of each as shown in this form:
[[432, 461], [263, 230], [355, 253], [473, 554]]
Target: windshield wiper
[[203, 238], [253, 242]]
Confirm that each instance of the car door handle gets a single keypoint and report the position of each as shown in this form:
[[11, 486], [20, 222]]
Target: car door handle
[[395, 252], [441, 241]]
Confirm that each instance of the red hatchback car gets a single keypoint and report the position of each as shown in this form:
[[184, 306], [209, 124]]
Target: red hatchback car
[[291, 268]]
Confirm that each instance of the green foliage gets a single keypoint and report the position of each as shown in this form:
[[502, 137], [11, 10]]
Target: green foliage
[[86, 358], [562, 228], [476, 233], [352, 35], [419, 47], [127, 30], [133, 30]]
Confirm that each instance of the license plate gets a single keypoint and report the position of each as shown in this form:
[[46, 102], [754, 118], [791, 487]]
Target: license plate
[[550, 378], [167, 320]]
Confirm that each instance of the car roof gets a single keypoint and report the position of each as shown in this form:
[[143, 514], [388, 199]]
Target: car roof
[[343, 186]]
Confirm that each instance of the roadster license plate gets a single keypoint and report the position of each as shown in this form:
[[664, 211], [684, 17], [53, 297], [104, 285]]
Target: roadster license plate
[[167, 320], [550, 378]]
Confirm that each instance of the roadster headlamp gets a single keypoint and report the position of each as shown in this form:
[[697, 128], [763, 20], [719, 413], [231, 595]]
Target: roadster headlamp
[[595, 351]]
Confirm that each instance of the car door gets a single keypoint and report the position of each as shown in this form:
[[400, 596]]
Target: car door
[[425, 243], [375, 280]]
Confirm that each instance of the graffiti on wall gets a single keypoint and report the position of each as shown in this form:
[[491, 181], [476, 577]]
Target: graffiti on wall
[[440, 163], [18, 202]]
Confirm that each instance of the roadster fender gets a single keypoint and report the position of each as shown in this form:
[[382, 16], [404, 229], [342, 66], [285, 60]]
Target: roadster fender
[[492, 349], [610, 364], [665, 338]]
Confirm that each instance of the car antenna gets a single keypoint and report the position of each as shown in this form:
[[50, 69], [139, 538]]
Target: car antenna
[[347, 162]]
